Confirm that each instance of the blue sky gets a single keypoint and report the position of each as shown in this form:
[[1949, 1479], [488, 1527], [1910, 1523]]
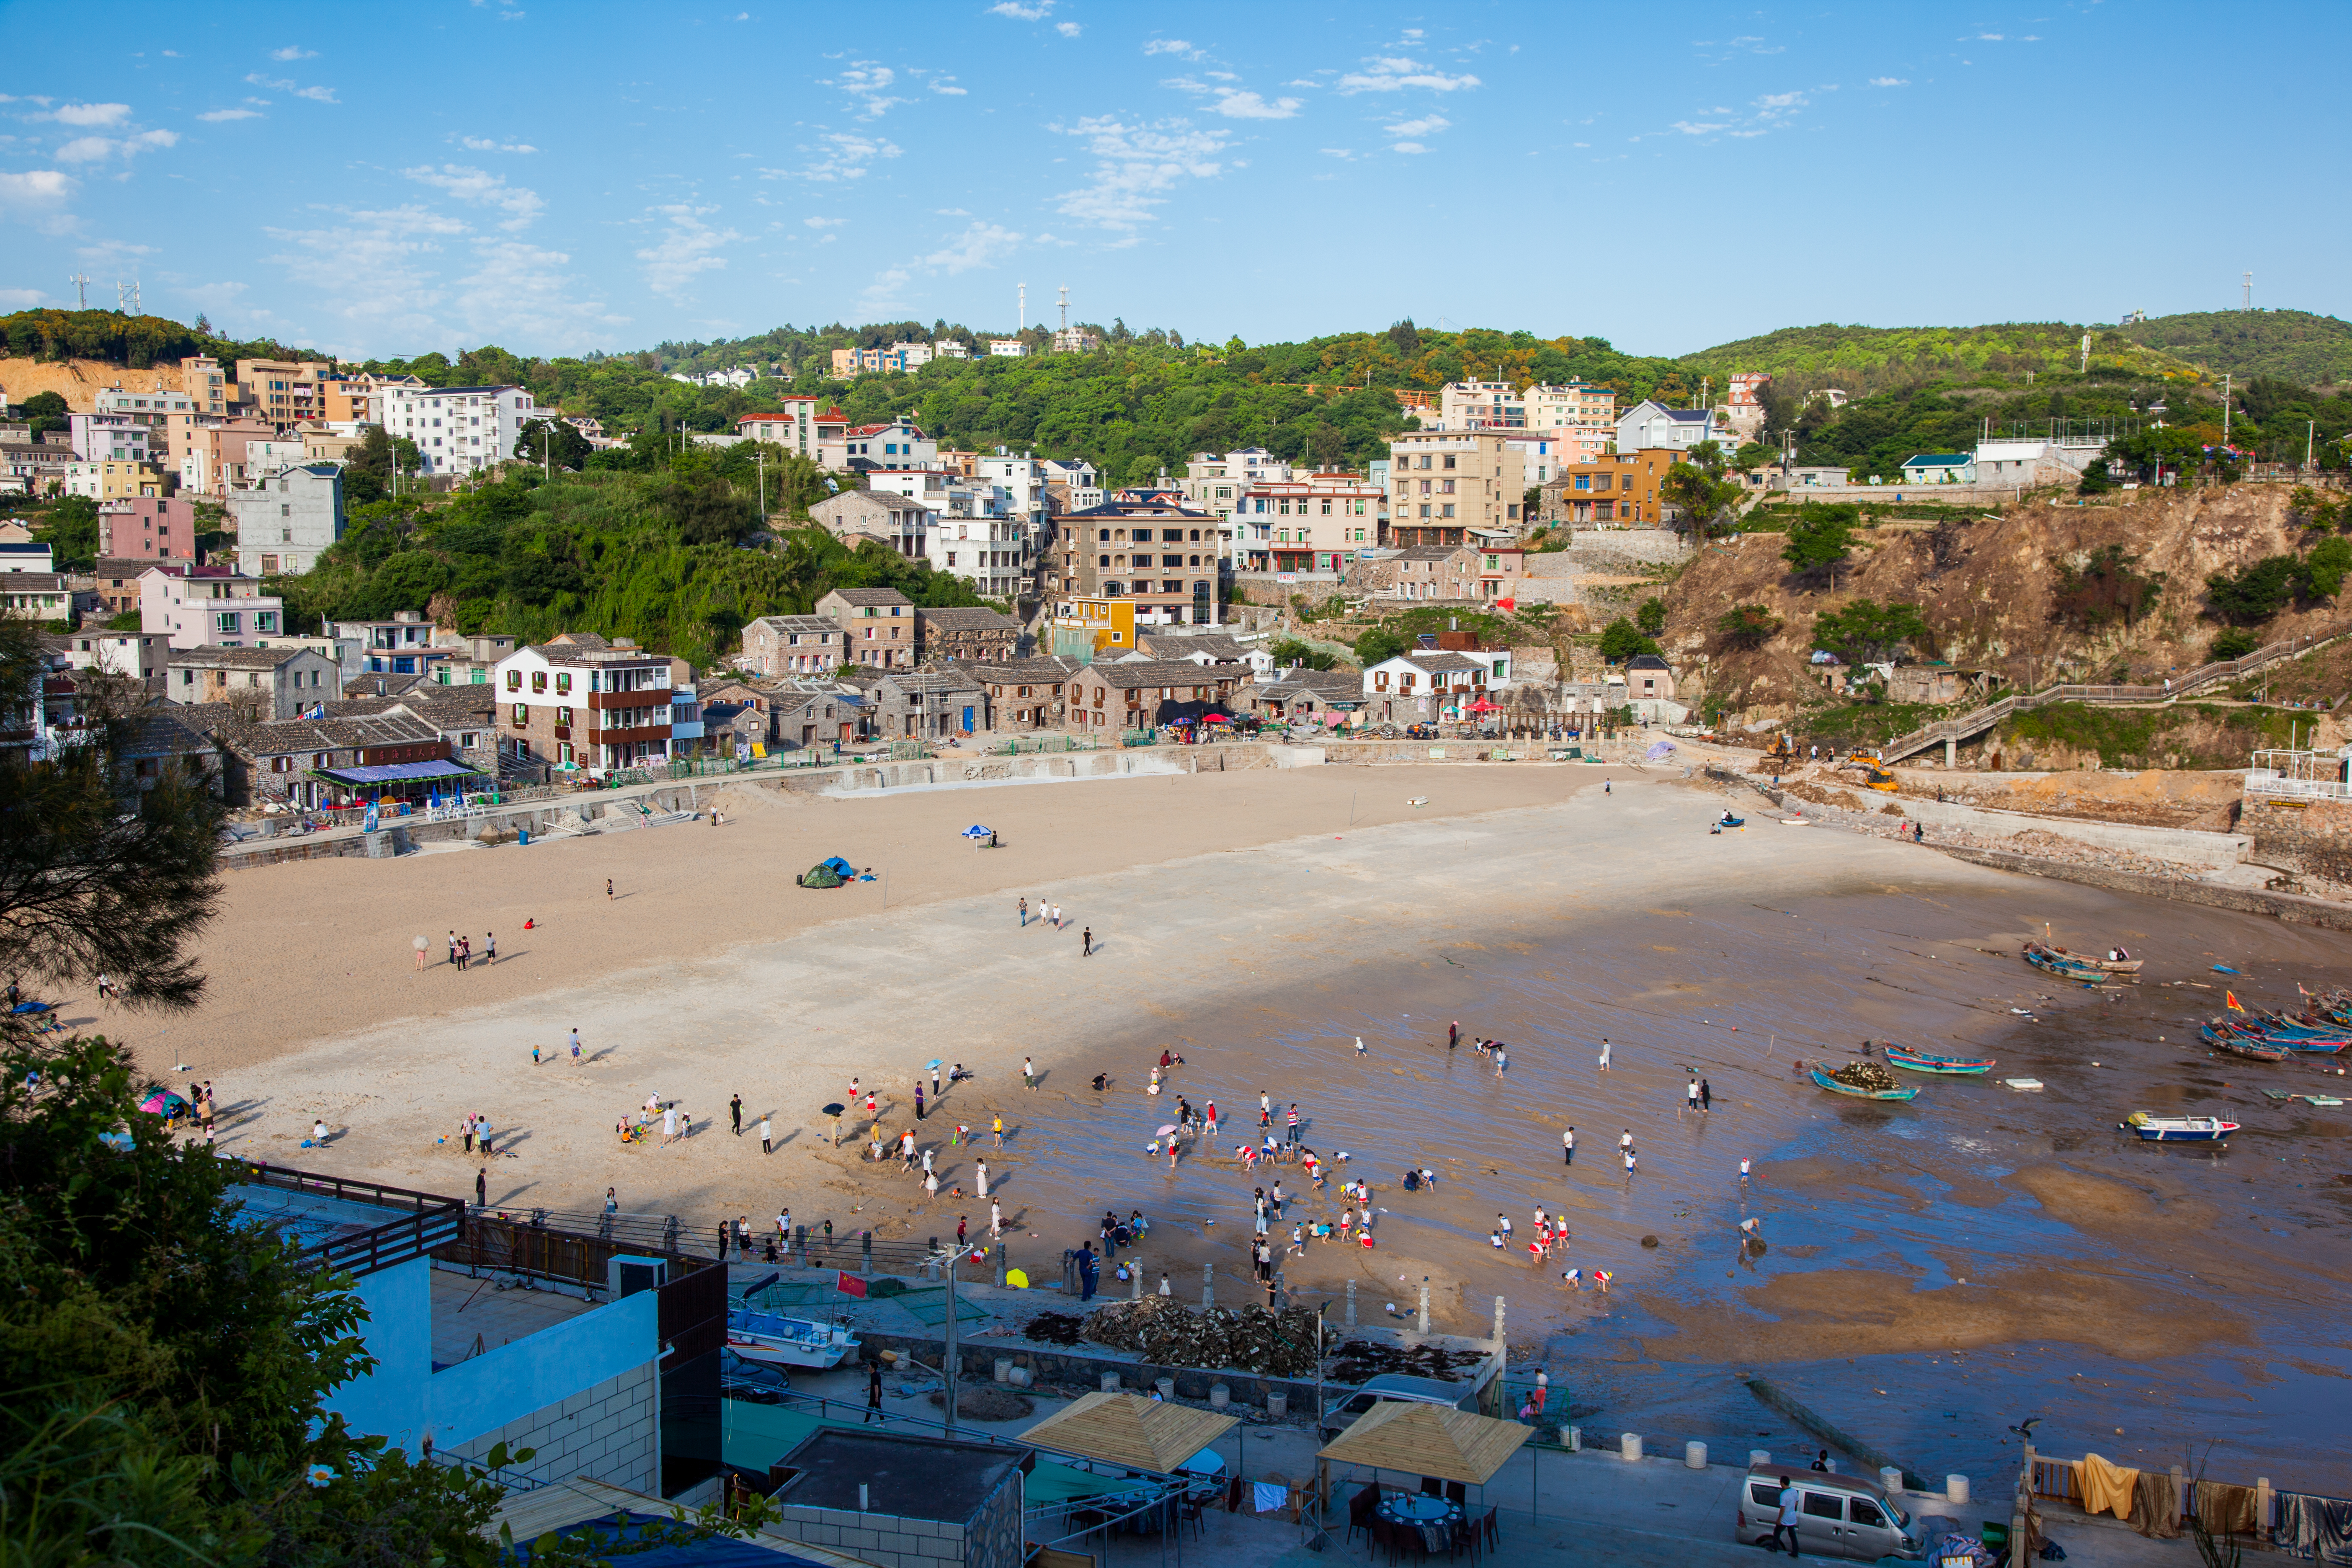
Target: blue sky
[[377, 180]]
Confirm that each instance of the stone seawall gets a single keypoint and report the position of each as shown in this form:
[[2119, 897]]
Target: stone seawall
[[2310, 838], [2279, 906]]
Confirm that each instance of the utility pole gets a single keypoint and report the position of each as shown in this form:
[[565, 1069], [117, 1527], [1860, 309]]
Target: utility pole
[[2225, 402], [762, 459]]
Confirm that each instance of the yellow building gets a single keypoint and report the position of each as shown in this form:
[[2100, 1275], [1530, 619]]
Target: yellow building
[[1085, 627], [110, 480]]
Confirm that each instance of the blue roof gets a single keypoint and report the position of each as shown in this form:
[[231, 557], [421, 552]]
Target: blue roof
[[1937, 459], [388, 773]]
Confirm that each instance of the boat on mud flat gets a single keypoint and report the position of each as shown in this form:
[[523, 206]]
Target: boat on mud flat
[[1822, 1076], [2051, 962], [2240, 1045], [2112, 966], [2176, 1129], [2274, 1038], [779, 1340], [1922, 1061]]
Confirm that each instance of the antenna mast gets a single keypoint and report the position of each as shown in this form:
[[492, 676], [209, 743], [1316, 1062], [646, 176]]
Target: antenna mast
[[2246, 300], [80, 280], [1024, 306], [1065, 307]]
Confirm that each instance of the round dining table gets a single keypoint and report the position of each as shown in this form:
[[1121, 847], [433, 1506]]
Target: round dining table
[[1434, 1517]]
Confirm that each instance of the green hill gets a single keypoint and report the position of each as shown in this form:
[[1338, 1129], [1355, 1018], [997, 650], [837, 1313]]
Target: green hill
[[1874, 359], [2291, 345]]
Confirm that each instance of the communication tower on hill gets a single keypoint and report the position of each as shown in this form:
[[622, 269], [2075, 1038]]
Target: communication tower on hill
[[2246, 299], [80, 280]]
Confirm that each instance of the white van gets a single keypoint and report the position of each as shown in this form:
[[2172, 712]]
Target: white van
[[1837, 1516]]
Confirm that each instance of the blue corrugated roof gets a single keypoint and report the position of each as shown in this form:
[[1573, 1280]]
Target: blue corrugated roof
[[388, 773]]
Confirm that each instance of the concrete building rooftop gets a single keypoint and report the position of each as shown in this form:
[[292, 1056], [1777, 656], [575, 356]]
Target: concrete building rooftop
[[908, 1476]]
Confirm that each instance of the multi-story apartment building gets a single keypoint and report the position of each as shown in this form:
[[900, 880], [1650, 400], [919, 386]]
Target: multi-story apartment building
[[359, 399], [568, 705], [207, 606], [111, 480], [285, 521], [35, 468], [98, 438], [285, 392], [1622, 489], [216, 458], [1502, 405], [1077, 341], [1007, 348], [1443, 481], [206, 387], [1080, 481], [1312, 523], [878, 626], [791, 644], [282, 681], [458, 429], [1148, 547], [407, 644], [887, 446], [898, 358], [793, 427], [147, 527]]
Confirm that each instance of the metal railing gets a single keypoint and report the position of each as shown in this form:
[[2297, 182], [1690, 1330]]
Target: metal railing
[[1984, 717], [424, 1220]]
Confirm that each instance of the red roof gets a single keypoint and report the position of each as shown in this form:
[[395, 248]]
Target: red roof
[[773, 414], [886, 425]]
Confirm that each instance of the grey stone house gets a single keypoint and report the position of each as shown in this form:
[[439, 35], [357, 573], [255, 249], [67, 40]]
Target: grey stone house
[[929, 704], [276, 682], [973, 635], [878, 626], [790, 644], [284, 522]]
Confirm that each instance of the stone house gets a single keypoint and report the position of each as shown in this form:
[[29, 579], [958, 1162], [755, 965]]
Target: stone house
[[277, 682], [929, 704], [969, 635], [311, 763], [1026, 693], [1418, 572], [878, 626], [1160, 691], [804, 713], [791, 644], [1302, 695]]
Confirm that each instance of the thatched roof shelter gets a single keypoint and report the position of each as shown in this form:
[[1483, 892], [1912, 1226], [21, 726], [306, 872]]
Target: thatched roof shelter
[[1428, 1440], [1131, 1430]]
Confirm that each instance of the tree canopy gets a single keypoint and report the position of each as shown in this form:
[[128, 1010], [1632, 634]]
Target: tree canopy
[[1867, 632]]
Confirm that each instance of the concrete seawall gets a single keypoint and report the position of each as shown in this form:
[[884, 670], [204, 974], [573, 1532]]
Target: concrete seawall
[[2189, 846], [2287, 907]]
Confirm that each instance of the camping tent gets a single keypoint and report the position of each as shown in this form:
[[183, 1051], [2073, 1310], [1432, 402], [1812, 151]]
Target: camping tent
[[830, 873]]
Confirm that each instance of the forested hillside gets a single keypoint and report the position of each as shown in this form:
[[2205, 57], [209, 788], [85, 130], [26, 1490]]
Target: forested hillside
[[2286, 345], [1872, 358]]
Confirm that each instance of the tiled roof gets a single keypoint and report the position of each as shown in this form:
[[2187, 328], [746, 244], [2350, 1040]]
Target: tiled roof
[[815, 624], [236, 658], [1023, 672], [156, 730], [967, 618], [286, 736], [1167, 672], [1165, 644], [870, 599]]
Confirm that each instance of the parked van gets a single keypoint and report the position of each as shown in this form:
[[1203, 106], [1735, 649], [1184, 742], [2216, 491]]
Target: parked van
[[1410, 1390], [1837, 1516]]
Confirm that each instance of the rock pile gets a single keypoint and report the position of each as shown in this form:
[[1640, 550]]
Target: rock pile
[[1358, 1359], [1249, 1339]]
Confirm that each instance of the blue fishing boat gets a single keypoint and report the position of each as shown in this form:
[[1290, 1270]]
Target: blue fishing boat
[[2176, 1129], [1822, 1078], [2064, 968], [779, 1340], [2253, 1050], [1904, 1057]]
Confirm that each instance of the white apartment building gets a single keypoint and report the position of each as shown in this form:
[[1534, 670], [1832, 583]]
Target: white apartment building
[[1213, 482], [793, 427], [1499, 405], [1078, 477], [284, 522], [458, 429], [102, 437], [208, 607], [1312, 523], [1007, 348], [1650, 425], [890, 445]]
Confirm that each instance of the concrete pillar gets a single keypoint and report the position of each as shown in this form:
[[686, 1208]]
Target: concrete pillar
[[1891, 1477], [1498, 1322], [1956, 1490], [1694, 1455], [1349, 1320], [2179, 1494], [1629, 1445], [1952, 753], [1759, 1456], [1425, 1304], [999, 1250], [1134, 1280], [2261, 1503], [1208, 1284]]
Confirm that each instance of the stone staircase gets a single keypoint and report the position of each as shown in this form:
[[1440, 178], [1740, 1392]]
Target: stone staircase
[[1948, 733]]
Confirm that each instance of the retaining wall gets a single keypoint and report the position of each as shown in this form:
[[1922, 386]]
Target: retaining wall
[[2280, 906], [2188, 846], [2312, 839]]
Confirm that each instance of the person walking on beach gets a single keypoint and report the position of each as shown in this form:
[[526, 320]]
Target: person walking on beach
[[1706, 1096], [767, 1144], [1022, 909], [1209, 1128], [1631, 1160], [1604, 1053], [919, 1112], [1454, 1034], [995, 1221], [980, 1176], [1743, 1169], [1626, 1143], [467, 1127], [935, 1081], [735, 1113], [608, 889], [1057, 917], [1087, 942], [1690, 1097], [1293, 1130], [1029, 1073], [1502, 1059], [997, 1127], [575, 1045], [1568, 1147], [490, 945], [482, 1188], [669, 1123], [453, 949]]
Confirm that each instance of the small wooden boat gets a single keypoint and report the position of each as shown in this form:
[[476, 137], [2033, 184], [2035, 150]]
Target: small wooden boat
[[1822, 1078], [780, 1340], [2262, 1034], [2177, 1129], [2237, 1046], [1727, 820], [1921, 1061], [2050, 962], [2112, 966]]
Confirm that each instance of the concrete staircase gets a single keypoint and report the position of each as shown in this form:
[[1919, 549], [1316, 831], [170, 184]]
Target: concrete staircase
[[1950, 733]]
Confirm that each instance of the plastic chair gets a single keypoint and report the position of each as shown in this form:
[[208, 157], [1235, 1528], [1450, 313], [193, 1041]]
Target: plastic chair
[[1432, 1487], [1458, 1493], [1493, 1530]]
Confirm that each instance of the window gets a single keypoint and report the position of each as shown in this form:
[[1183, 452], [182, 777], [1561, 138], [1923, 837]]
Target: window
[[1445, 511], [1823, 1505], [521, 715], [1865, 1511], [538, 680], [514, 681], [1449, 462], [562, 683], [1446, 487]]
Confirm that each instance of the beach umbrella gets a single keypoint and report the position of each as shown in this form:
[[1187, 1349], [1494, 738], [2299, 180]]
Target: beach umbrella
[[932, 1064], [1167, 1130], [975, 831]]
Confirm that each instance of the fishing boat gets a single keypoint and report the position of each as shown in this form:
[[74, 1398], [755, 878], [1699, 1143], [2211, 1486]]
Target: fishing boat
[[2262, 1033], [2112, 966], [1822, 1076], [2301, 1027], [2050, 962], [1922, 1061], [788, 1341], [2176, 1129], [2238, 1045]]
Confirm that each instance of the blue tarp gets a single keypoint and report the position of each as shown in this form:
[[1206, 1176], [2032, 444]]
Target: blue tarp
[[841, 866], [390, 772], [712, 1551]]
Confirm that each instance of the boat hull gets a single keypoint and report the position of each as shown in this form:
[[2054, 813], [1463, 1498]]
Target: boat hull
[[1827, 1082], [1946, 1066], [2177, 1129], [2174, 1135], [788, 1341], [2064, 969]]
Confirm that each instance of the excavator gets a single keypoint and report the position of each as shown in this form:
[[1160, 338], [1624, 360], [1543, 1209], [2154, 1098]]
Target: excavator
[[1779, 757], [1874, 773]]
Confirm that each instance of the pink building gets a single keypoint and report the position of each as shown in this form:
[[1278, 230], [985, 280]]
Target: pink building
[[211, 606], [147, 527]]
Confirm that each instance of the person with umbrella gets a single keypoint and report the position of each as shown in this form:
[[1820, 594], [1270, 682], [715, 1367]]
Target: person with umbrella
[[835, 1110], [1169, 1132]]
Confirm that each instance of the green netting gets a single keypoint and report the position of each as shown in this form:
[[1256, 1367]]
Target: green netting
[[930, 1306]]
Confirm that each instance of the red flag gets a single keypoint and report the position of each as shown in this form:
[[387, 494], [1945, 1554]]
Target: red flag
[[2231, 998], [850, 1284]]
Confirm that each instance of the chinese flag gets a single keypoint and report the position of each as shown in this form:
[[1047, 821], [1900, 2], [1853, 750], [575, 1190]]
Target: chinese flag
[[2231, 998], [850, 1285]]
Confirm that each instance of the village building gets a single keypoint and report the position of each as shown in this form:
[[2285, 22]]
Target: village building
[[269, 682], [969, 635], [878, 626], [1141, 695], [791, 644]]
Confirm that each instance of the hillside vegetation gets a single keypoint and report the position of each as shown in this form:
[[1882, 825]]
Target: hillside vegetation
[[2289, 345], [1870, 359]]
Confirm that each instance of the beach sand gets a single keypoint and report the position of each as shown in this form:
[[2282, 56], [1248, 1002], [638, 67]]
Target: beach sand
[[1246, 924]]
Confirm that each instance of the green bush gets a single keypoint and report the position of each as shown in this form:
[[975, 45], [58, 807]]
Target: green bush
[[2235, 643], [1622, 640]]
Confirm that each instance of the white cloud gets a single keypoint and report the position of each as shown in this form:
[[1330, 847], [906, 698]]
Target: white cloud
[[293, 52], [824, 222], [492, 145], [1394, 74], [1408, 147], [1069, 29], [838, 155], [92, 114], [218, 116], [883, 297], [1699, 128], [952, 212], [520, 290], [34, 190], [687, 249], [1425, 126], [279, 84], [1984, 38], [1335, 152], [1179, 47], [1889, 81], [87, 149], [946, 85], [982, 245], [1135, 166], [1250, 106], [97, 148], [1021, 13], [371, 268], [482, 188], [318, 94], [867, 84], [20, 299]]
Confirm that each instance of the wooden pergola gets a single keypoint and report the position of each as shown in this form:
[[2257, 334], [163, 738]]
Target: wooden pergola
[[1428, 1440], [1129, 1430]]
